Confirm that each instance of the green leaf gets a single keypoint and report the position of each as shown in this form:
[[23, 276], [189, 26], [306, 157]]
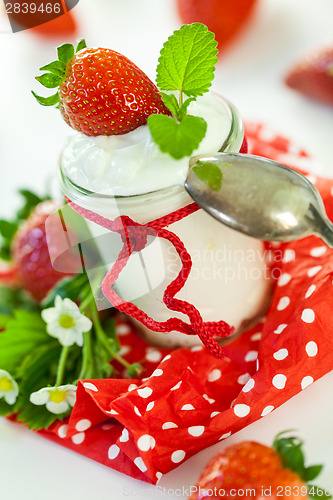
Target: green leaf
[[312, 472], [177, 139], [318, 493], [184, 106], [73, 288], [4, 318], [171, 103], [11, 299], [8, 229], [30, 201], [5, 409], [135, 370], [23, 333], [65, 52], [56, 67], [47, 101], [49, 80], [187, 61], [37, 370], [209, 173], [81, 45]]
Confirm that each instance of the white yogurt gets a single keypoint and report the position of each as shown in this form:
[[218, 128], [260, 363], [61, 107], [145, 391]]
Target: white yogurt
[[132, 163]]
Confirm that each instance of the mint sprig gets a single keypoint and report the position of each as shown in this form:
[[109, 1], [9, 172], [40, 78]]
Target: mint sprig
[[187, 60], [177, 139], [187, 65]]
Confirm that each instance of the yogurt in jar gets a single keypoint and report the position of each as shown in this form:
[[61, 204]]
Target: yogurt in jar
[[229, 279]]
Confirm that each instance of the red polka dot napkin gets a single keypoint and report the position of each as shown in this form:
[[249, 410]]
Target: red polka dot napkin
[[189, 400]]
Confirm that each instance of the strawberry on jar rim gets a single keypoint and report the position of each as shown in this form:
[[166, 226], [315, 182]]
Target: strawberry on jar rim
[[99, 91]]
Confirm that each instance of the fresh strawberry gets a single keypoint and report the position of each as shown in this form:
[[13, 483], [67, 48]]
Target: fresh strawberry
[[31, 255], [101, 92], [224, 17], [313, 76], [252, 469]]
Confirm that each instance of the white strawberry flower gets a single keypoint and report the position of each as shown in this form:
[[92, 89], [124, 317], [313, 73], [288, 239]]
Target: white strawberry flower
[[65, 322], [57, 399], [8, 388]]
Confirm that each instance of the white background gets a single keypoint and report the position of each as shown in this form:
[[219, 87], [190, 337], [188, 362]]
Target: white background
[[251, 75]]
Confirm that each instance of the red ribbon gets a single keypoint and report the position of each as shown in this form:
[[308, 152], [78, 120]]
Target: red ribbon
[[134, 238]]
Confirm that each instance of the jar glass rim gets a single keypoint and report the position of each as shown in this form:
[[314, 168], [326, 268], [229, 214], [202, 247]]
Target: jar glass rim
[[232, 143]]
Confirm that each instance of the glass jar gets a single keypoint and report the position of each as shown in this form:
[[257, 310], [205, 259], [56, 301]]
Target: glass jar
[[229, 279]]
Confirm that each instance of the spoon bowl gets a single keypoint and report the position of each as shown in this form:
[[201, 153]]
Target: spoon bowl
[[261, 198]]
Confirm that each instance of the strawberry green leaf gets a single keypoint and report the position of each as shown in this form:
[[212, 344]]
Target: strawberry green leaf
[[65, 52], [5, 409], [12, 299], [22, 334], [209, 173], [49, 80], [317, 493], [177, 139], [187, 61], [312, 472], [81, 45], [171, 103], [56, 67], [30, 201], [47, 101]]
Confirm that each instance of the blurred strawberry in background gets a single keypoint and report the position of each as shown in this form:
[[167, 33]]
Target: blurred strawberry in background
[[313, 76], [64, 25], [224, 17]]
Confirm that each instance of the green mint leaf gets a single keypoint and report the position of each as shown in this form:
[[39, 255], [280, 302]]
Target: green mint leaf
[[46, 101], [187, 60], [312, 472], [177, 139], [209, 173], [184, 106], [81, 45], [56, 67], [22, 335], [49, 80], [171, 103], [65, 52]]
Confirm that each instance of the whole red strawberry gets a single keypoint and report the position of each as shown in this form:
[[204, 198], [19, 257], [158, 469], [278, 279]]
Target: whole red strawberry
[[31, 254], [313, 76], [224, 17], [250, 469], [100, 92]]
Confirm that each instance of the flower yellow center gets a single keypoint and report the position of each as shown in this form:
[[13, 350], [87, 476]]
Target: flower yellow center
[[5, 384], [66, 321], [57, 396]]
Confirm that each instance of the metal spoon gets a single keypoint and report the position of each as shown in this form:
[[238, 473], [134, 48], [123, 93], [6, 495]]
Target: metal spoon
[[261, 198]]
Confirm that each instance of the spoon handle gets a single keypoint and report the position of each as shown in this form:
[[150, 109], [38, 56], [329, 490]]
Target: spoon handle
[[324, 229]]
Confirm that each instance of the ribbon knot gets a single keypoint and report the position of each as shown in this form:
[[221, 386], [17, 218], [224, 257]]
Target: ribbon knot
[[133, 235], [134, 238]]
